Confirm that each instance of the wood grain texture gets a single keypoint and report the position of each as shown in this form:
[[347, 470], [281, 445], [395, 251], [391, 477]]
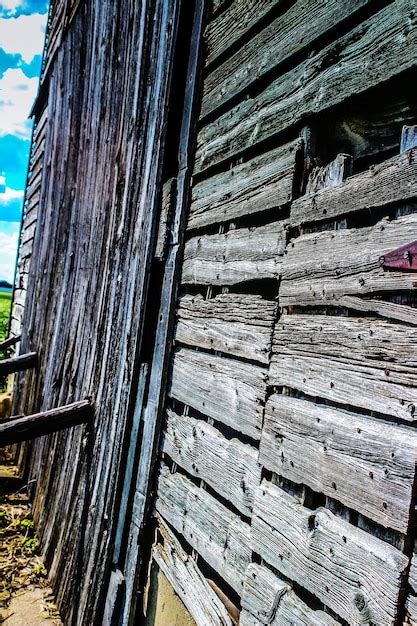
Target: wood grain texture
[[265, 182], [236, 324], [225, 29], [218, 535], [269, 601], [411, 610], [227, 390], [237, 256], [355, 361], [376, 50], [230, 467], [356, 575], [391, 181], [367, 464], [188, 581], [297, 28], [323, 268]]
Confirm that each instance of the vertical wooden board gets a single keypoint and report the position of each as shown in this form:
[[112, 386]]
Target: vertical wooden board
[[356, 575], [236, 324], [229, 391], [230, 467], [270, 601], [296, 28], [218, 535], [391, 181], [378, 49], [325, 267], [367, 464], [355, 361], [237, 256], [188, 581], [262, 183]]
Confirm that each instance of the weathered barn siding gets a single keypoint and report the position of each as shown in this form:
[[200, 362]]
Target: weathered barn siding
[[286, 477]]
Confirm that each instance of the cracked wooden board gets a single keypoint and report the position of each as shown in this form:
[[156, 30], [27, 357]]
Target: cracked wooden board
[[236, 324], [218, 535], [365, 463], [355, 361], [353, 573], [226, 390], [229, 466]]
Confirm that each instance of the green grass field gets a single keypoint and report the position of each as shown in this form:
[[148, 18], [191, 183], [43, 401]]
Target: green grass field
[[5, 302]]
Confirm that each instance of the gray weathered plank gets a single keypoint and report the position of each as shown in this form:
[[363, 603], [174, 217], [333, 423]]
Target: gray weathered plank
[[188, 581], [408, 138], [225, 29], [265, 182], [284, 36], [355, 574], [356, 361], [330, 175], [236, 324], [218, 535], [230, 467], [367, 464], [391, 181], [323, 268], [226, 390], [412, 576], [162, 237], [269, 601], [376, 50], [411, 610], [237, 256]]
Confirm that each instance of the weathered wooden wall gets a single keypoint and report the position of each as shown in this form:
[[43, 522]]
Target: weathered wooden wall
[[289, 454]]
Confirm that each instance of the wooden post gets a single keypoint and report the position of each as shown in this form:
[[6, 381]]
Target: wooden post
[[18, 363], [18, 429]]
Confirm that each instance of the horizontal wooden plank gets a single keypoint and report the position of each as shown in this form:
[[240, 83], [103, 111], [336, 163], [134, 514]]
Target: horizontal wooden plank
[[230, 467], [237, 256], [236, 324], [391, 181], [323, 268], [188, 581], [286, 35], [353, 573], [412, 576], [355, 361], [218, 535], [376, 50], [228, 27], [229, 391], [269, 601], [263, 183], [367, 464], [411, 610]]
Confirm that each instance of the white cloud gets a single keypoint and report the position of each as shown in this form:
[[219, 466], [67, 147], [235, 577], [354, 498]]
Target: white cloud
[[23, 35], [10, 5], [17, 93], [10, 194], [8, 247]]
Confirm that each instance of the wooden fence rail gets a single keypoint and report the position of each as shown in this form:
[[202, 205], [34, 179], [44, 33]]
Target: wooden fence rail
[[18, 363]]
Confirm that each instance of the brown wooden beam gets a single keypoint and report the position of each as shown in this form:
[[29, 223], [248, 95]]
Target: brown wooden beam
[[9, 342], [18, 429], [18, 363]]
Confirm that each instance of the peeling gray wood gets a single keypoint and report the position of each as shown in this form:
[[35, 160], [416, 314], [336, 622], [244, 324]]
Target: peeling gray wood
[[236, 324], [390, 310], [355, 361], [412, 575], [376, 50], [367, 464], [227, 390], [391, 181], [331, 175], [237, 256], [295, 29], [188, 581], [162, 237], [218, 535], [226, 29], [411, 610], [230, 467], [269, 601], [356, 575], [408, 138], [265, 182], [322, 268]]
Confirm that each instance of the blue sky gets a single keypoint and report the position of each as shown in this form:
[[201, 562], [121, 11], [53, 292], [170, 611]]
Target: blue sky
[[22, 28]]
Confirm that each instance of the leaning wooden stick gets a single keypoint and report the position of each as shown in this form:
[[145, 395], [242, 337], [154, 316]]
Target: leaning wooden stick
[[9, 342], [16, 430], [18, 363]]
